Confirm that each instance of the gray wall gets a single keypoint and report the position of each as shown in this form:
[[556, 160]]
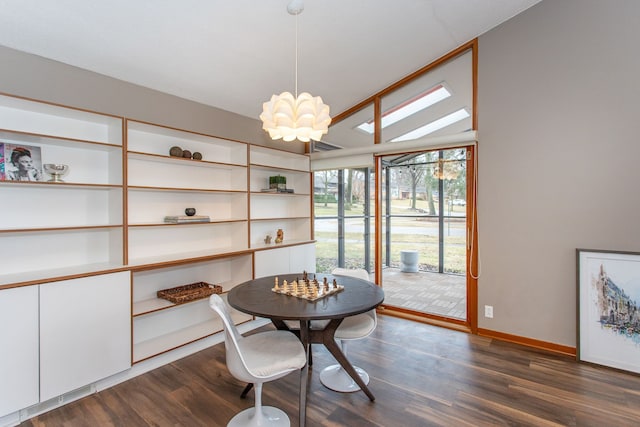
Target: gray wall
[[35, 77], [558, 157]]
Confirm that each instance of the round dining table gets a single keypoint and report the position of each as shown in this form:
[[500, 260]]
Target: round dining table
[[256, 297]]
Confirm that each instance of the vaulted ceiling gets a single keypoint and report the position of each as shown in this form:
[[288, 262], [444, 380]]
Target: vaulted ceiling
[[235, 54]]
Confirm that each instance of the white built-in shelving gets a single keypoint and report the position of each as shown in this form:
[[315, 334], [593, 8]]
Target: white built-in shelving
[[290, 212], [83, 214], [86, 257]]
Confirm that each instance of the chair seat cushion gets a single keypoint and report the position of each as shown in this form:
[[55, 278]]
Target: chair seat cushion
[[272, 352], [354, 327]]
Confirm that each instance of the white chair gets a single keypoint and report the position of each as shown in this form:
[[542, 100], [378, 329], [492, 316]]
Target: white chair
[[258, 358], [355, 327]]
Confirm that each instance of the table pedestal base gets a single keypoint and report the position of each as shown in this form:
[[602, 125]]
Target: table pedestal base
[[335, 378]]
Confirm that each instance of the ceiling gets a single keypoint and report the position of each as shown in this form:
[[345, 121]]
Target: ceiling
[[235, 54]]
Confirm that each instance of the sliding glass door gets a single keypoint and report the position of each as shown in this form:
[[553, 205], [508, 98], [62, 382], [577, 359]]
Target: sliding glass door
[[424, 232]]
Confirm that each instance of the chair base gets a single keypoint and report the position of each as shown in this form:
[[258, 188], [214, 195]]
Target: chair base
[[335, 378], [271, 417]]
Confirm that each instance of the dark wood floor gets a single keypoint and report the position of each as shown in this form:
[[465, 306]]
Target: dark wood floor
[[421, 375]]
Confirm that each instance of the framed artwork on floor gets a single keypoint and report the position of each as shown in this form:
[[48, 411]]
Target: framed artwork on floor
[[609, 308]]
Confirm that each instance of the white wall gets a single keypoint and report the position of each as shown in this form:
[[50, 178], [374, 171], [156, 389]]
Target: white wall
[[558, 157]]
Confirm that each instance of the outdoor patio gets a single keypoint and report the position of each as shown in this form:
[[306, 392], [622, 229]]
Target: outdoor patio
[[427, 292]]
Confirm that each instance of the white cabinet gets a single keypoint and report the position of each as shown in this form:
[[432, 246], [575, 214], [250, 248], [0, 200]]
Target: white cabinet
[[85, 331], [19, 354], [160, 325], [289, 259], [162, 185], [83, 214]]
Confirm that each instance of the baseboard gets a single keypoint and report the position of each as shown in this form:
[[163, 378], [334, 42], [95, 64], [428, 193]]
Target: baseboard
[[529, 342]]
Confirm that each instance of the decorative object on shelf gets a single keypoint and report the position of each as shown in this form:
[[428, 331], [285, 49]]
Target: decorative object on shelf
[[191, 292], [278, 182], [190, 211], [304, 117], [310, 290], [57, 171], [186, 154], [279, 235], [22, 162], [196, 156], [267, 239], [185, 219], [175, 151]]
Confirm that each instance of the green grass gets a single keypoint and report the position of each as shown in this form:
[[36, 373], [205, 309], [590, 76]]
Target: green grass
[[427, 246]]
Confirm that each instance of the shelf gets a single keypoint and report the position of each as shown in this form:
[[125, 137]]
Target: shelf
[[183, 190], [141, 308], [175, 339], [61, 206], [209, 324], [272, 194], [286, 243], [183, 224], [158, 140], [58, 185], [269, 168], [14, 136], [179, 174], [185, 257], [55, 274], [282, 218], [56, 121], [62, 229], [268, 158], [161, 158]]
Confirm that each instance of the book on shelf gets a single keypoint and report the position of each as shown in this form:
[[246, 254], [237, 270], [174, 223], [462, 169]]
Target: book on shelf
[[180, 219]]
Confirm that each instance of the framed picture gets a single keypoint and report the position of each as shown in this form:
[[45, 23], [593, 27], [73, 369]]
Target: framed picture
[[21, 162], [609, 308]]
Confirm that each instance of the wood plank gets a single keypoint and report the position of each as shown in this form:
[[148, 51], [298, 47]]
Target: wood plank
[[421, 375]]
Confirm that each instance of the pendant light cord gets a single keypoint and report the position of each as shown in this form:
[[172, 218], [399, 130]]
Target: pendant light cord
[[296, 72]]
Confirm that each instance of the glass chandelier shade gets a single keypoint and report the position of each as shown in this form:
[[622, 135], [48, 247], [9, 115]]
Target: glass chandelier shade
[[304, 118]]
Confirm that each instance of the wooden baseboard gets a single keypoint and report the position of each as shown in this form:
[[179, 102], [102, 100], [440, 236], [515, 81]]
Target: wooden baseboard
[[460, 326], [529, 342]]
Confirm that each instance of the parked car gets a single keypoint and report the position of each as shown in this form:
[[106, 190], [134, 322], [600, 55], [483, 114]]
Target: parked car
[[460, 202]]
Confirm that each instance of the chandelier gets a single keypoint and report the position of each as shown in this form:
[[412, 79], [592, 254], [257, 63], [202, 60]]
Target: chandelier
[[302, 117]]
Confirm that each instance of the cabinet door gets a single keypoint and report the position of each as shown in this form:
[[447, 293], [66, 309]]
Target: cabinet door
[[290, 259], [85, 331], [19, 354], [303, 258], [271, 262]]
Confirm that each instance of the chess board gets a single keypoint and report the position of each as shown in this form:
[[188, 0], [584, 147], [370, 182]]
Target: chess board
[[311, 290]]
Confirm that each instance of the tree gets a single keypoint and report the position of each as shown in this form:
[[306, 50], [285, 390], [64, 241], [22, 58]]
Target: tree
[[348, 190], [416, 173], [325, 178]]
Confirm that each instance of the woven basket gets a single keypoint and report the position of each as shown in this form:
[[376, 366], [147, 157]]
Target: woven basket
[[191, 292]]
